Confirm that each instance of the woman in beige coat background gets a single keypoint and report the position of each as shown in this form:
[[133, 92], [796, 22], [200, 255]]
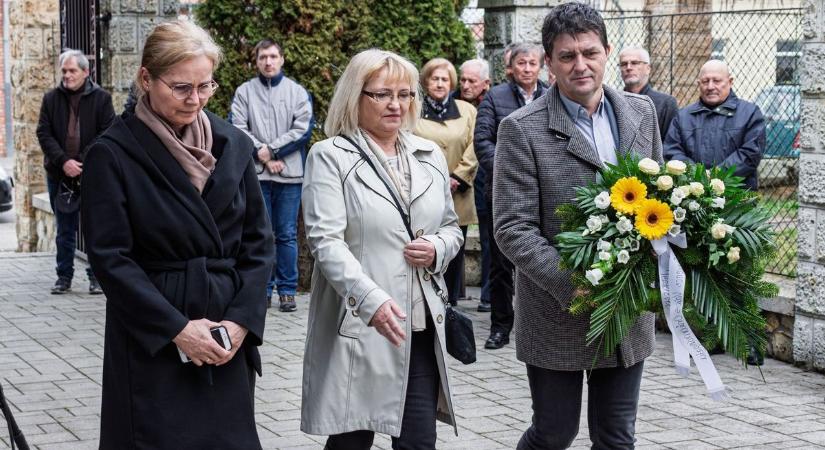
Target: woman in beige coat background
[[450, 123], [375, 349]]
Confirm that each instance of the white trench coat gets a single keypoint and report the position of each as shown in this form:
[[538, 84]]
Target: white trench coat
[[354, 379]]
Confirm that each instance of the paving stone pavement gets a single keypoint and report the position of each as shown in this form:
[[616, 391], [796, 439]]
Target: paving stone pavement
[[50, 368]]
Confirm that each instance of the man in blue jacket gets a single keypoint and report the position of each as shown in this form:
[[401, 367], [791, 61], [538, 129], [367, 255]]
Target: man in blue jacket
[[522, 89], [720, 129], [276, 113]]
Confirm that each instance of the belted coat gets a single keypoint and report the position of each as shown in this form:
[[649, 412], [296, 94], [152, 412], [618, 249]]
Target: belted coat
[[164, 254], [354, 378]]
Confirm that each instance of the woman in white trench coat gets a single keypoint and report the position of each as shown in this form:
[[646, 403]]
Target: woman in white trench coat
[[375, 352]]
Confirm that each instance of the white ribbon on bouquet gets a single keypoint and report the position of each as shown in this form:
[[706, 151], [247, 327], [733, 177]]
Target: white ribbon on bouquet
[[685, 343]]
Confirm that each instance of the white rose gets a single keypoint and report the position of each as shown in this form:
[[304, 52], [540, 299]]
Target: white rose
[[677, 196], [717, 186], [696, 189], [664, 183], [694, 205], [719, 230], [603, 217], [718, 202], [594, 224], [602, 200], [649, 166], [675, 167], [679, 214], [623, 257], [593, 276], [634, 245], [733, 255], [603, 246], [624, 225], [604, 256], [674, 230]]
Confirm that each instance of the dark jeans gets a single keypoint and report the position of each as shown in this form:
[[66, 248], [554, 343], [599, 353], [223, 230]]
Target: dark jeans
[[484, 240], [282, 202], [66, 235], [501, 284], [613, 398], [418, 424], [454, 276]]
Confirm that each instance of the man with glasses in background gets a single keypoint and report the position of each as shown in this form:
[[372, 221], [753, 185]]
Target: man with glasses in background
[[72, 115], [276, 113], [634, 64]]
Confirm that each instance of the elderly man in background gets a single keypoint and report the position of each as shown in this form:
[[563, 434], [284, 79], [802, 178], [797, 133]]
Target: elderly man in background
[[474, 81], [720, 129], [634, 63], [524, 88], [72, 115]]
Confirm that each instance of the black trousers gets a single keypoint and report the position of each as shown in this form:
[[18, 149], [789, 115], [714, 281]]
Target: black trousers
[[501, 283], [454, 276], [418, 423], [612, 402]]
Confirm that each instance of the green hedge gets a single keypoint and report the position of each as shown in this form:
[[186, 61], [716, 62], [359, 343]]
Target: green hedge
[[319, 37]]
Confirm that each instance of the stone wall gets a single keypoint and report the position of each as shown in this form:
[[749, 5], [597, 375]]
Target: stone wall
[[2, 89], [809, 328], [34, 47]]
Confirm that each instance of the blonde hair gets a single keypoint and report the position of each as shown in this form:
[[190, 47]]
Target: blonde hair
[[342, 115], [170, 43], [438, 63]]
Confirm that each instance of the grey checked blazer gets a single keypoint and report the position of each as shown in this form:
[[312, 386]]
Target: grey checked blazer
[[540, 158]]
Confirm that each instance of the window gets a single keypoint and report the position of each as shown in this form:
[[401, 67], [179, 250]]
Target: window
[[788, 53]]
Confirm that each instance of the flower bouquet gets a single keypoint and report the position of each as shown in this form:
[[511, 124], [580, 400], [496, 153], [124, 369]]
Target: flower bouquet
[[696, 233]]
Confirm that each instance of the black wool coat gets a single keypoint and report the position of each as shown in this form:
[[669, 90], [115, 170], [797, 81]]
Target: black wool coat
[[164, 254]]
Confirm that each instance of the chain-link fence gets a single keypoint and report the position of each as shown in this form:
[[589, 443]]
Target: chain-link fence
[[474, 19], [763, 49]]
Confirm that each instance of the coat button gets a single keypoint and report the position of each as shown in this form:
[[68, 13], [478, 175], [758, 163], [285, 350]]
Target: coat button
[[419, 233], [439, 319], [354, 313], [427, 276], [351, 301]]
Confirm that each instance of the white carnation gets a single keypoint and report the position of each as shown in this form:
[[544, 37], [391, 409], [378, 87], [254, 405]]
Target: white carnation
[[602, 200]]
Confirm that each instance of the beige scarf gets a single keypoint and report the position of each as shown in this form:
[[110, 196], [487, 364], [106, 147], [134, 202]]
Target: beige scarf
[[192, 150], [401, 178]]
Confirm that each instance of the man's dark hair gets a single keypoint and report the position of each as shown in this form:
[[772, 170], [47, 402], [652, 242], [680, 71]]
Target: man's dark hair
[[265, 44], [571, 18]]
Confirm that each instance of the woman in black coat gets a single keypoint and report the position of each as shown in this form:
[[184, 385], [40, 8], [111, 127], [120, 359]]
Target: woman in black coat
[[177, 233]]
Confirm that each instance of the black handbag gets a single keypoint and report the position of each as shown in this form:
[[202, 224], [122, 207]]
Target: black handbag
[[458, 328]]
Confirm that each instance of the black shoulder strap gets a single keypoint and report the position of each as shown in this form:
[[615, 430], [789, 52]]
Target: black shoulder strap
[[404, 216]]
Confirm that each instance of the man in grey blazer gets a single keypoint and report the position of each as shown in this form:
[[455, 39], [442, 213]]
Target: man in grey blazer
[[544, 151]]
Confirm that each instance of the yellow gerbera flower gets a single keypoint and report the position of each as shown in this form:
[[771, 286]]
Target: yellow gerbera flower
[[653, 219], [627, 194]]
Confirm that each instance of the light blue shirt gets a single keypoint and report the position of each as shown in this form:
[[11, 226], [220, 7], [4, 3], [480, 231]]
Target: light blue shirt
[[600, 130]]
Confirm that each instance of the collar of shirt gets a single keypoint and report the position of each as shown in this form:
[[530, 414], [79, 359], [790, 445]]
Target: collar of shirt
[[527, 98], [600, 130]]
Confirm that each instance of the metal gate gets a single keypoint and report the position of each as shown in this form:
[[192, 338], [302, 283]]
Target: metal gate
[[763, 49], [79, 31]]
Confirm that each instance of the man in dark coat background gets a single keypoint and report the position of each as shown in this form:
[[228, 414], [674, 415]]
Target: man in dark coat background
[[634, 64], [720, 129], [546, 150], [523, 88], [72, 115]]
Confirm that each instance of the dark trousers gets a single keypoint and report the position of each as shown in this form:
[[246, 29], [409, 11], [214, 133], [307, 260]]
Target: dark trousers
[[418, 423], [454, 276], [501, 284], [484, 240], [613, 398], [66, 235]]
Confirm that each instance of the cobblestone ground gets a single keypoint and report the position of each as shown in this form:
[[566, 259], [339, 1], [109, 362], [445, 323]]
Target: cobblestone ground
[[50, 368]]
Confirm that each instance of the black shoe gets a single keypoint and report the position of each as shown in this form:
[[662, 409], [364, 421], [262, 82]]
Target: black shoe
[[287, 303], [497, 340], [62, 286], [484, 306], [94, 287], [754, 358]]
